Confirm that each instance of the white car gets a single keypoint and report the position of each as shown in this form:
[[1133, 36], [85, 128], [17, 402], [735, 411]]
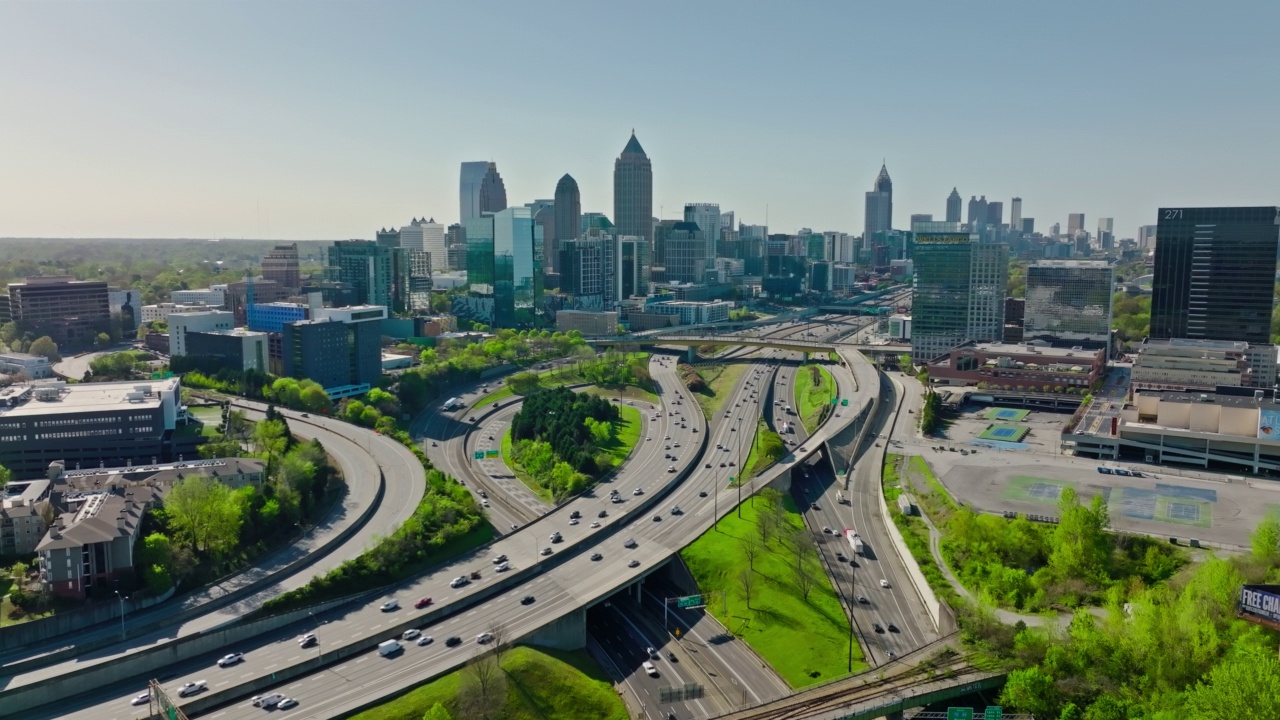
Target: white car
[[502, 567], [307, 640], [410, 634], [458, 582], [287, 703], [884, 583], [389, 605], [638, 491], [630, 543], [192, 688], [143, 699], [426, 640], [230, 659], [484, 638]]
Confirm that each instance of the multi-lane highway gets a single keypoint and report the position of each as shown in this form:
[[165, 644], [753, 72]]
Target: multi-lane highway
[[570, 579]]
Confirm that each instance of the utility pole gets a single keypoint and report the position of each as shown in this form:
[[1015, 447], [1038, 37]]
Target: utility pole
[[741, 462]]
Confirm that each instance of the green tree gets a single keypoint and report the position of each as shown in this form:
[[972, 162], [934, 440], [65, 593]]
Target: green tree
[[1081, 548], [205, 513], [313, 398], [1264, 541], [45, 346], [270, 437], [523, 383], [1031, 690], [221, 448], [6, 475], [1246, 685]]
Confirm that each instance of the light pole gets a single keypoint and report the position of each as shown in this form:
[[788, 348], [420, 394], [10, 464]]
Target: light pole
[[121, 599], [741, 461]]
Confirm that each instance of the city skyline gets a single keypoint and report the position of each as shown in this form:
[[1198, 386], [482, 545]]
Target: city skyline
[[263, 125]]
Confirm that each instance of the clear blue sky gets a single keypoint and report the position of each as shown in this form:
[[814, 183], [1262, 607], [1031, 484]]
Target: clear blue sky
[[329, 120]]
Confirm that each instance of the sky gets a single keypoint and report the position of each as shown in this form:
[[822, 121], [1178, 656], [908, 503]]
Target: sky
[[325, 120]]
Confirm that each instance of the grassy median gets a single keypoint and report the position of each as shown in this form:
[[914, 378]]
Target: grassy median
[[535, 684], [626, 433], [720, 380], [805, 640], [814, 390]]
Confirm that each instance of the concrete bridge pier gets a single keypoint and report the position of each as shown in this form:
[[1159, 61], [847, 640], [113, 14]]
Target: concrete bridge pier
[[567, 633], [691, 355]]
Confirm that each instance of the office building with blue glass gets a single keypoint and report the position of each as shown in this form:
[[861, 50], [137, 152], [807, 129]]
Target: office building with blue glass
[[504, 269]]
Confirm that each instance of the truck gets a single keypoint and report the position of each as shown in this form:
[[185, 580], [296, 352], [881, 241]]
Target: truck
[[452, 403], [389, 648], [855, 541]]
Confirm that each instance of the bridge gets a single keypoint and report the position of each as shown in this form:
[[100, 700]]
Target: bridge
[[788, 344]]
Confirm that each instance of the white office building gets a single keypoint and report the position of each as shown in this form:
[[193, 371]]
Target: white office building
[[427, 236], [215, 296], [707, 216], [206, 321]]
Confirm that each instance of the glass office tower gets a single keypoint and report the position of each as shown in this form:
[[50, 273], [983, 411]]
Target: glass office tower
[[504, 268], [1214, 273], [1069, 301], [959, 290]]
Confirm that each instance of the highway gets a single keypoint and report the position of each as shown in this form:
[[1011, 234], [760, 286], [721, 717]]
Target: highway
[[404, 488], [561, 586]]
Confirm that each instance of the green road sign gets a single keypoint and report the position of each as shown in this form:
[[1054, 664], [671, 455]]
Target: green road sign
[[491, 453], [845, 402], [959, 713], [993, 712], [479, 455], [834, 400], [689, 601]]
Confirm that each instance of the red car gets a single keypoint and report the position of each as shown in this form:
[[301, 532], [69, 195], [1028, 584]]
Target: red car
[[423, 602]]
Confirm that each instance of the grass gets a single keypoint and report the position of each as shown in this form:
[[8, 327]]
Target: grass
[[720, 380], [813, 397], [626, 434], [806, 642], [569, 376], [914, 532], [938, 502], [542, 684], [766, 448]]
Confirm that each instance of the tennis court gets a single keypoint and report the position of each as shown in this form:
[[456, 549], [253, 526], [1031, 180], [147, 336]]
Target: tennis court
[[1006, 414], [1042, 491], [1004, 433]]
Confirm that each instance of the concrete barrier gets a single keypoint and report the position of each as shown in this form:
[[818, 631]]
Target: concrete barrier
[[39, 631]]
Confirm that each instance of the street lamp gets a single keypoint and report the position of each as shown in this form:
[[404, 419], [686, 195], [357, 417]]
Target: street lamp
[[121, 599], [741, 462]]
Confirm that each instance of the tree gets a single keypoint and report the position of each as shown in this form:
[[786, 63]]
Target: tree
[[1264, 541], [45, 346], [752, 551], [501, 633], [746, 583], [1031, 690], [313, 398], [483, 688], [205, 513], [523, 383], [1081, 548], [270, 437], [6, 476], [1246, 685]]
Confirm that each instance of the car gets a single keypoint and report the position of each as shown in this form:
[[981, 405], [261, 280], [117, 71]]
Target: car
[[422, 602], [484, 503], [638, 491], [459, 582], [653, 654], [694, 430], [597, 556], [616, 499], [306, 415], [884, 583], [675, 444], [556, 537], [546, 551], [719, 446], [484, 495], [892, 627], [892, 655], [471, 419], [733, 429], [410, 634], [732, 463], [633, 564], [703, 493], [267, 702], [708, 466], [308, 640], [650, 669], [813, 506], [500, 559], [425, 640], [230, 659], [495, 404], [827, 531], [602, 514], [475, 574], [657, 518], [503, 567], [453, 641], [287, 703], [666, 437], [484, 638], [671, 656], [573, 521], [389, 605], [676, 510], [142, 699], [879, 628], [575, 515], [595, 524], [671, 469], [862, 599], [722, 465], [192, 688], [630, 543], [527, 600]]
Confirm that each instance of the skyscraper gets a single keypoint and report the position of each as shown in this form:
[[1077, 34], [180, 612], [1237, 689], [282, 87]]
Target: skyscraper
[[1075, 223], [1146, 236], [493, 193], [1106, 233], [707, 216], [472, 177], [568, 215], [1069, 300], [995, 213], [281, 265], [633, 191], [426, 236], [879, 207], [953, 206], [1015, 215], [633, 267], [959, 289], [977, 211], [504, 268], [370, 268], [1214, 273], [686, 253]]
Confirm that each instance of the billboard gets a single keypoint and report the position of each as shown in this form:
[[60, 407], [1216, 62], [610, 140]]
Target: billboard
[[1261, 604], [1268, 424]]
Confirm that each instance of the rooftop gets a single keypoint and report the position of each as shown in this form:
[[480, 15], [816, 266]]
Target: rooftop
[[160, 474], [1053, 353], [1088, 264], [101, 517], [57, 397], [1237, 401]]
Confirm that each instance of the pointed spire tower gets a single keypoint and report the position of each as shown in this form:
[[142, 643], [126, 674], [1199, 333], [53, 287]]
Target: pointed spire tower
[[633, 192], [879, 207]]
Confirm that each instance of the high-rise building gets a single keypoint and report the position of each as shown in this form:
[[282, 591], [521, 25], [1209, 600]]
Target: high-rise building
[[633, 267], [879, 206], [727, 223], [415, 279], [1146, 236], [504, 268], [281, 264], [71, 312], [493, 192], [1069, 301], [959, 291], [544, 216], [686, 253], [921, 218], [953, 206], [633, 191], [995, 213], [707, 216], [661, 231], [339, 348], [977, 211], [587, 270], [370, 269], [472, 178], [1075, 223], [389, 237], [1214, 275], [1015, 215], [1028, 226], [426, 236], [568, 204]]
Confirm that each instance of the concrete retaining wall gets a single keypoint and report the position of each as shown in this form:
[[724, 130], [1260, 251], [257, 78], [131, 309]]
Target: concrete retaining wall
[[39, 631]]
